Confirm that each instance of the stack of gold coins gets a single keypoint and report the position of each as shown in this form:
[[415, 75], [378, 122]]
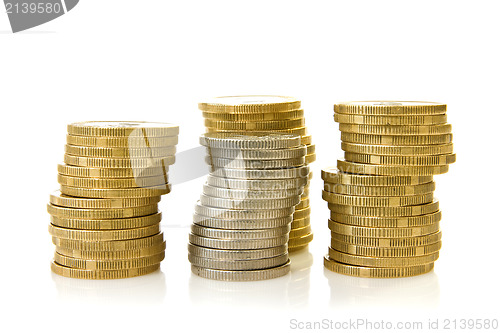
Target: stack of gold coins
[[242, 221], [253, 114], [384, 219], [105, 221]]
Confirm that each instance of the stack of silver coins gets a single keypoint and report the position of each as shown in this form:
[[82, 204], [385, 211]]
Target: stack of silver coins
[[242, 221]]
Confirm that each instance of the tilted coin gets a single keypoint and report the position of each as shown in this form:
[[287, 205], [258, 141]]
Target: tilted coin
[[111, 183], [105, 265], [241, 224], [240, 234], [386, 191], [333, 175], [250, 104], [253, 184], [379, 201], [102, 275], [59, 199], [381, 262], [137, 173], [139, 192], [397, 140], [231, 193], [252, 275], [258, 154], [119, 152], [386, 211], [112, 163], [398, 150], [219, 162], [298, 172], [122, 128], [242, 214], [382, 232], [401, 160], [396, 130], [263, 116], [402, 108], [250, 141], [122, 141], [387, 242], [376, 272], [104, 235], [390, 120], [390, 170], [236, 254], [237, 244], [258, 204], [238, 265], [113, 255], [108, 224], [386, 221], [386, 252], [121, 245], [111, 213]]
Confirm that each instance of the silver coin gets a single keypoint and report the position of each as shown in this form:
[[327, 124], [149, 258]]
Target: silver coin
[[237, 244], [254, 275], [249, 203], [254, 164], [242, 214], [230, 193], [252, 184], [240, 224], [236, 254], [250, 141], [240, 234], [238, 265], [299, 172], [258, 154]]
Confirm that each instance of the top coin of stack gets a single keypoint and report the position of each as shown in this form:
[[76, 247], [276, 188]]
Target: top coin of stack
[[242, 221], [105, 221], [384, 219], [264, 114]]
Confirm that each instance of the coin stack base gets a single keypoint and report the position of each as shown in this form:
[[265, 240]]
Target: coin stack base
[[105, 221], [384, 220]]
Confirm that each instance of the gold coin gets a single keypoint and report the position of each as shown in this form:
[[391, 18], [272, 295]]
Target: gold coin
[[106, 265], [396, 130], [386, 211], [386, 242], [351, 259], [398, 150], [87, 172], [350, 230], [301, 213], [102, 275], [108, 224], [111, 183], [300, 232], [390, 120], [255, 125], [376, 272], [115, 193], [113, 255], [352, 200], [387, 222], [311, 149], [390, 170], [299, 223], [386, 191], [59, 199], [103, 235], [119, 152], [117, 163], [122, 142], [333, 175], [306, 140], [120, 245], [402, 108], [397, 140], [386, 252], [302, 131], [304, 203], [297, 248], [310, 158], [301, 241], [436, 160], [118, 128], [110, 213], [263, 116], [249, 104]]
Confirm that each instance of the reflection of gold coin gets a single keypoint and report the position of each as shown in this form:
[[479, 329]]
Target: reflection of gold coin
[[102, 275]]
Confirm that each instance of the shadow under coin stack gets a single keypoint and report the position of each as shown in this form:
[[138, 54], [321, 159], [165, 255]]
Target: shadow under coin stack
[[105, 221], [277, 114], [384, 219], [242, 222]]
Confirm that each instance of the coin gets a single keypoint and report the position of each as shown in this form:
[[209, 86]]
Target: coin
[[219, 162], [113, 255], [117, 128], [249, 104], [105, 265], [253, 184], [402, 108], [390, 120], [332, 175], [375, 191], [385, 221], [241, 213], [395, 130], [258, 154], [379, 201], [302, 131], [240, 234], [386, 211], [236, 254], [113, 163], [397, 140], [382, 262], [299, 172], [111, 213], [386, 252], [304, 203], [382, 232], [301, 213], [255, 125], [299, 223], [122, 142], [238, 265], [121, 245], [231, 193], [115, 193], [102, 275], [263, 204], [398, 150], [376, 272], [252, 275], [300, 232], [59, 199], [108, 224], [397, 170], [101, 235], [387, 242], [250, 140], [137, 173], [237, 244], [119, 152], [304, 240], [111, 183], [436, 160], [241, 224], [263, 116]]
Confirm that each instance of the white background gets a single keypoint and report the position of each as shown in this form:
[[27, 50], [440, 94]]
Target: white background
[[155, 60]]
